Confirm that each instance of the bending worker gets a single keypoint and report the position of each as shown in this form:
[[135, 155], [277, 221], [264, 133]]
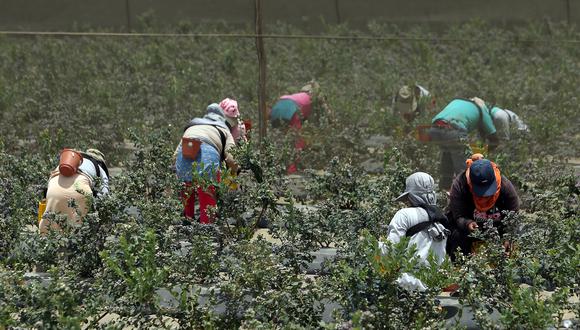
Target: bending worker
[[450, 129], [233, 119], [480, 199], [78, 182], [205, 143], [412, 101], [422, 221], [504, 120], [291, 110]]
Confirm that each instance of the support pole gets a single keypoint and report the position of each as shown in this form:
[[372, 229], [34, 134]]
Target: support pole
[[337, 11], [568, 12], [262, 114], [128, 14]]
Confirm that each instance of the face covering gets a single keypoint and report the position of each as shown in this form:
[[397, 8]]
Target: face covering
[[483, 204]]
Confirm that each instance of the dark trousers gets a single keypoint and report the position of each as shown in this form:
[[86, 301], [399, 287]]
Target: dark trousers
[[459, 239], [454, 152]]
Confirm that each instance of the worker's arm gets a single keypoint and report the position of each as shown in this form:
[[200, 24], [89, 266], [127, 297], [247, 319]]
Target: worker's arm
[[229, 158], [459, 204]]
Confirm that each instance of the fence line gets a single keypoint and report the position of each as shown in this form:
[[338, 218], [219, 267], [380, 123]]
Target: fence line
[[273, 36]]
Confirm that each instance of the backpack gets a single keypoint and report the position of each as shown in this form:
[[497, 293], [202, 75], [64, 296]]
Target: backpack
[[435, 216], [98, 165]]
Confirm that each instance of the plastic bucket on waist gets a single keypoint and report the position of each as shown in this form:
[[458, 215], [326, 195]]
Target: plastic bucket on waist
[[70, 160], [190, 147]]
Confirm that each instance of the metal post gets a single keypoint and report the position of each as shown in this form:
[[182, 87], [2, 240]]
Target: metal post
[[128, 12], [568, 12], [337, 10], [262, 115]]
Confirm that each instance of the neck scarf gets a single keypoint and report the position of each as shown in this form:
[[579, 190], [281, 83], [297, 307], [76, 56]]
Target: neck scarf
[[483, 204]]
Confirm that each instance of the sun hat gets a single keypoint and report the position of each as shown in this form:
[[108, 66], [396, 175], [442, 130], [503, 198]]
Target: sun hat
[[96, 154], [405, 101], [482, 177], [230, 107], [215, 113], [311, 87], [419, 189]]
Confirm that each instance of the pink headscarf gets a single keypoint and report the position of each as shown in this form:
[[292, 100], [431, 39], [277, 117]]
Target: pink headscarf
[[230, 108]]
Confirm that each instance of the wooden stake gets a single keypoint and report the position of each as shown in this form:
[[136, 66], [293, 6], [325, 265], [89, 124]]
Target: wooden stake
[[262, 114]]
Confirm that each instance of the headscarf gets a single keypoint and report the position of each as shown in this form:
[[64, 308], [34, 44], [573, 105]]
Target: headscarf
[[214, 116], [483, 204], [420, 192], [230, 108], [419, 189]]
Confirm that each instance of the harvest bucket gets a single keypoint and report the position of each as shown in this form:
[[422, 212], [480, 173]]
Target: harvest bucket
[[422, 133], [190, 147], [478, 148], [70, 160], [248, 125]]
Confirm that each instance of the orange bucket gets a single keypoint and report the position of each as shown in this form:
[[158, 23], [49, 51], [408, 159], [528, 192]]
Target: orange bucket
[[422, 133], [190, 147], [70, 160], [248, 125]]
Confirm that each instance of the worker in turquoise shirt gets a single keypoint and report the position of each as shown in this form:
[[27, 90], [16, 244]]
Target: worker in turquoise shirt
[[450, 129]]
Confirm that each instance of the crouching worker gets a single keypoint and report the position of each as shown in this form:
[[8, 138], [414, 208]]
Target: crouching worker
[[233, 119], [505, 121], [422, 221], [412, 101], [480, 199], [79, 177], [206, 143], [291, 110], [450, 130]]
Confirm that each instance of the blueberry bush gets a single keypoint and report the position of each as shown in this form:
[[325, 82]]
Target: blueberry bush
[[135, 262]]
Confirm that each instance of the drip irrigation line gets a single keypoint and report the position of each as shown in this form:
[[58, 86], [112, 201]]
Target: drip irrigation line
[[273, 36]]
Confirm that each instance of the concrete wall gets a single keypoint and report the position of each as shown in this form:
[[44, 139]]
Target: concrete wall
[[112, 14]]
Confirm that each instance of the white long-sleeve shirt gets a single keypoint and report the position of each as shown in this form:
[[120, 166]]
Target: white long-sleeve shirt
[[407, 218], [401, 222]]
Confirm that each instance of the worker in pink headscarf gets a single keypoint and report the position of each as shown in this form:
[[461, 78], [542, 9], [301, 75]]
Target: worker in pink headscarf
[[233, 120], [291, 110]]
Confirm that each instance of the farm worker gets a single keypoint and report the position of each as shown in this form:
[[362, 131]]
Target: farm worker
[[291, 110], [504, 120], [91, 179], [450, 129], [480, 198], [422, 221], [411, 101], [214, 141], [233, 120]]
